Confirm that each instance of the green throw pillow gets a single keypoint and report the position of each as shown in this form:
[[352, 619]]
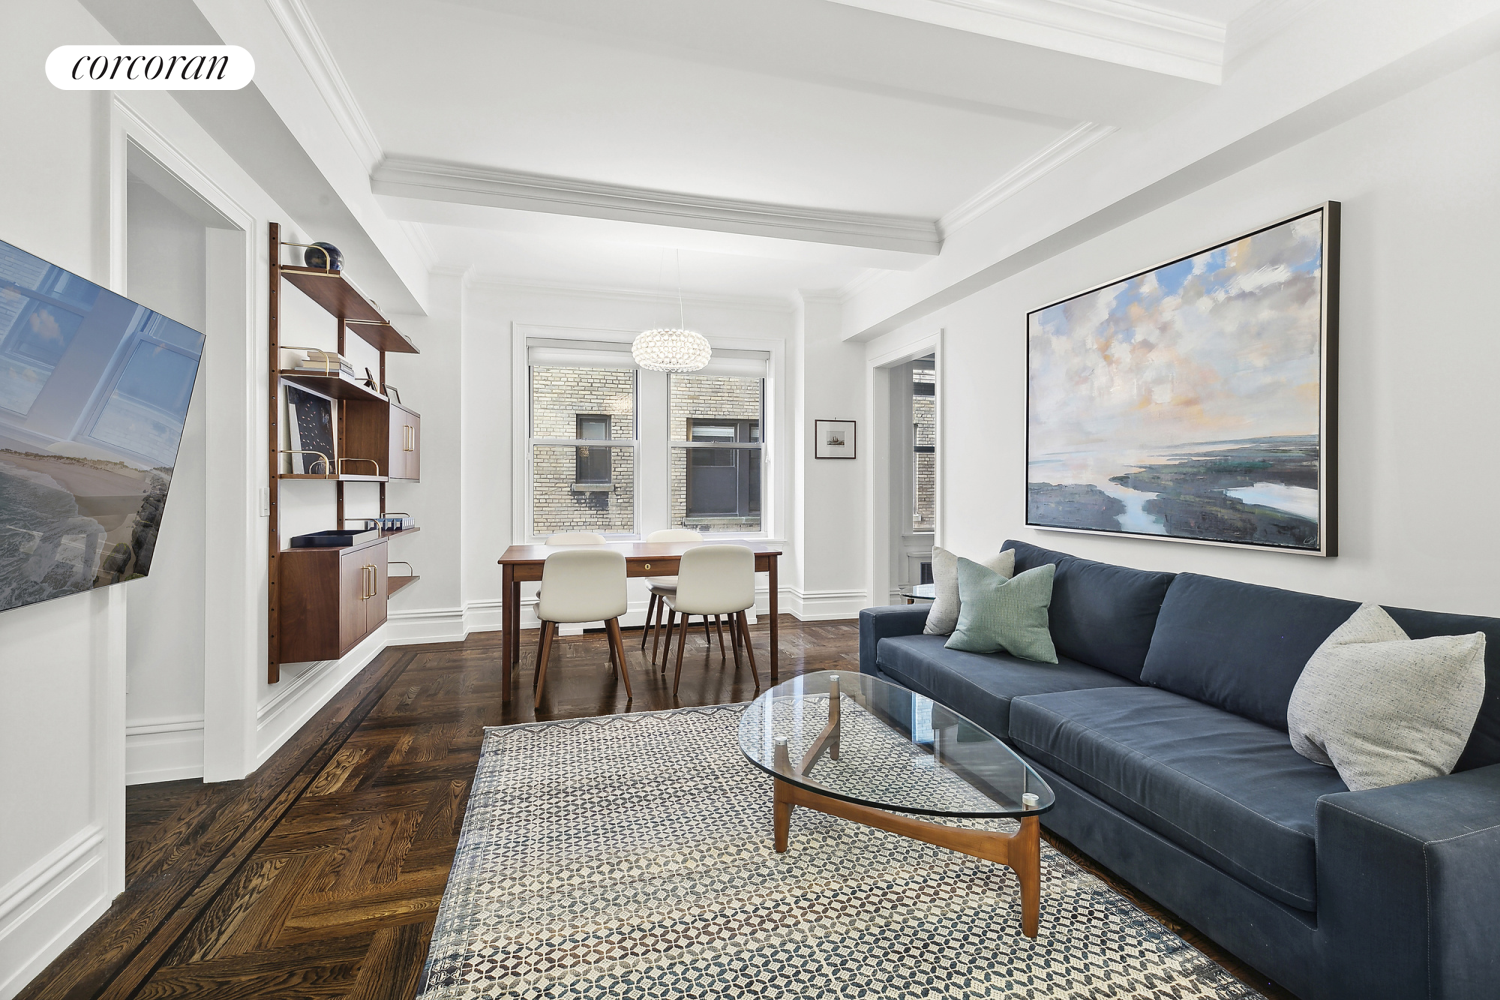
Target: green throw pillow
[[999, 615]]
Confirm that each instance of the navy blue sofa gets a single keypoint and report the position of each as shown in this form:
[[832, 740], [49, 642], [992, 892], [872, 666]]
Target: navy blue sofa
[[1162, 730]]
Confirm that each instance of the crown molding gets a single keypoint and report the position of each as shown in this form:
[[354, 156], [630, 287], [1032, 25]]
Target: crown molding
[[500, 282], [1060, 151], [466, 184], [1118, 31], [311, 48], [1261, 22]]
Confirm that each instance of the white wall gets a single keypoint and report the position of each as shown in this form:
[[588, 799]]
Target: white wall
[[166, 269], [1420, 343], [828, 509], [62, 718]]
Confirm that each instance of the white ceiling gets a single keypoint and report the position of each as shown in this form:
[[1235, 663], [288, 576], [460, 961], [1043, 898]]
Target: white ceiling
[[817, 120]]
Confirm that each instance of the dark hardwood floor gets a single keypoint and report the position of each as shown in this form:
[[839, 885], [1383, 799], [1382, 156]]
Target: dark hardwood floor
[[320, 875]]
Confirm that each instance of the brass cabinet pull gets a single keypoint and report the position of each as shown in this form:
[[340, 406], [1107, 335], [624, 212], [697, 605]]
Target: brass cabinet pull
[[646, 566]]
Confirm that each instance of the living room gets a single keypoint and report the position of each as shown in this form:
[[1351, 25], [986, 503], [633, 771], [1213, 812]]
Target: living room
[[847, 223]]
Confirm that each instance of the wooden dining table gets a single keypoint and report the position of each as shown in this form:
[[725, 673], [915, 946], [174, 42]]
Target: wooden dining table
[[523, 563]]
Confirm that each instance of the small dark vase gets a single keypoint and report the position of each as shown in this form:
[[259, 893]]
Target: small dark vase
[[324, 256]]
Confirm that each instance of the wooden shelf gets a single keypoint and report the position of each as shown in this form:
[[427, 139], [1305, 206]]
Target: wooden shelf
[[334, 292], [346, 478], [403, 531], [399, 583], [336, 386]]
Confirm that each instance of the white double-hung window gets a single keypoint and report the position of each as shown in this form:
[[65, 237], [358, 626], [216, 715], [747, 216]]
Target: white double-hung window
[[621, 451]]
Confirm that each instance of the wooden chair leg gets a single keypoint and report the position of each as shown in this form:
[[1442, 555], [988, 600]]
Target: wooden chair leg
[[681, 644], [734, 641], [745, 632], [708, 635], [661, 606], [548, 629], [611, 649], [666, 653], [618, 645], [719, 624], [541, 636], [646, 628]]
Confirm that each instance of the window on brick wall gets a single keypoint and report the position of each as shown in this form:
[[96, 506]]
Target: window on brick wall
[[591, 461], [715, 424], [583, 450], [620, 451]]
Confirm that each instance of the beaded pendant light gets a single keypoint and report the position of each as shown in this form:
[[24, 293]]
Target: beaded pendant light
[[675, 349]]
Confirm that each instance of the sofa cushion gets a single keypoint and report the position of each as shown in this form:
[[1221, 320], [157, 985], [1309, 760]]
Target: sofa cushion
[[1238, 646], [980, 686], [1102, 615], [1231, 791], [1483, 748]]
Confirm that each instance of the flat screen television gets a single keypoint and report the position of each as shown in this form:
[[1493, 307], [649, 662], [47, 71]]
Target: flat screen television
[[94, 392]]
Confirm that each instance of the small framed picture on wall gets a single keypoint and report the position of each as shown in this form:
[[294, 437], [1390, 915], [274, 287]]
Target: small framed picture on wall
[[833, 439]]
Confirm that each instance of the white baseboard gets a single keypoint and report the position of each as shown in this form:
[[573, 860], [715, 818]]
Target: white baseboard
[[303, 692], [404, 628], [823, 605], [163, 750], [46, 907]]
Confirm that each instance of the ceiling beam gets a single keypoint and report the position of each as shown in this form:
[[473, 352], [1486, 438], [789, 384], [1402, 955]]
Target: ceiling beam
[[491, 187], [1117, 31]]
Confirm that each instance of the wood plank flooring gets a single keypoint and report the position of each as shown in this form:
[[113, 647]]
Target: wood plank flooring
[[320, 875]]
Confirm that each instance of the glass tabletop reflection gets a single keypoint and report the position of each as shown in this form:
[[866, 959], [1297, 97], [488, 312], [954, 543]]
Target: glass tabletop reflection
[[884, 746]]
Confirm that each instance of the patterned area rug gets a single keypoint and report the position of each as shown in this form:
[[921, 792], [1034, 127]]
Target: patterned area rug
[[630, 856]]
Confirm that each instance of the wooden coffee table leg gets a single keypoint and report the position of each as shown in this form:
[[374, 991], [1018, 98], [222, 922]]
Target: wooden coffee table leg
[[1026, 861], [1020, 851], [783, 822]]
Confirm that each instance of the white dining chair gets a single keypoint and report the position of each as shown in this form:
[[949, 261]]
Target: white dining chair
[[575, 538], [582, 584], [715, 580], [572, 538], [661, 586]]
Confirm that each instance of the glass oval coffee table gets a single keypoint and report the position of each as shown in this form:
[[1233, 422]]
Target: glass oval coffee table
[[862, 749]]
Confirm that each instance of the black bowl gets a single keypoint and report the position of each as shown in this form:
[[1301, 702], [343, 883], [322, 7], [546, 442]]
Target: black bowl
[[324, 256]]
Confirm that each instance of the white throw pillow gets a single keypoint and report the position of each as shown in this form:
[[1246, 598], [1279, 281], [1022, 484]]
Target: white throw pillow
[[1383, 708], [942, 617]]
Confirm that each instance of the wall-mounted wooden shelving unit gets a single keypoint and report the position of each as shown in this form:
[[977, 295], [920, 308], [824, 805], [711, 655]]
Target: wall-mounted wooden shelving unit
[[323, 601]]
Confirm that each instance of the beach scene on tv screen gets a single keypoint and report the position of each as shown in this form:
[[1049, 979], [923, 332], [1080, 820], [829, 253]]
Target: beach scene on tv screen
[[94, 393]]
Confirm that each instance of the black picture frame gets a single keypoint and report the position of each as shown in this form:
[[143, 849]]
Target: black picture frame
[[1063, 506], [835, 441]]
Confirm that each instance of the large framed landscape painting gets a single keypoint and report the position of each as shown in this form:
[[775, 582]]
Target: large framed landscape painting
[[1195, 401]]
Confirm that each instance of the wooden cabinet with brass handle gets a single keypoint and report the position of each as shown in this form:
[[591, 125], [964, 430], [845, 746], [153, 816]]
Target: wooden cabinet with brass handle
[[331, 599], [385, 433]]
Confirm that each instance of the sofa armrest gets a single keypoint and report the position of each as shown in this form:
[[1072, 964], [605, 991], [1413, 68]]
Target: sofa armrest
[[881, 623], [1409, 887]]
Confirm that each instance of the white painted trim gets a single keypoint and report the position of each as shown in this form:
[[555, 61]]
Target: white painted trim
[[470, 184], [164, 750], [301, 696], [234, 571], [1125, 32], [311, 48], [1060, 151], [404, 628], [1261, 22], [823, 605], [478, 281], [65, 889]]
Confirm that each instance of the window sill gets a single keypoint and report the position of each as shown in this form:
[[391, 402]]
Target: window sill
[[592, 487]]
